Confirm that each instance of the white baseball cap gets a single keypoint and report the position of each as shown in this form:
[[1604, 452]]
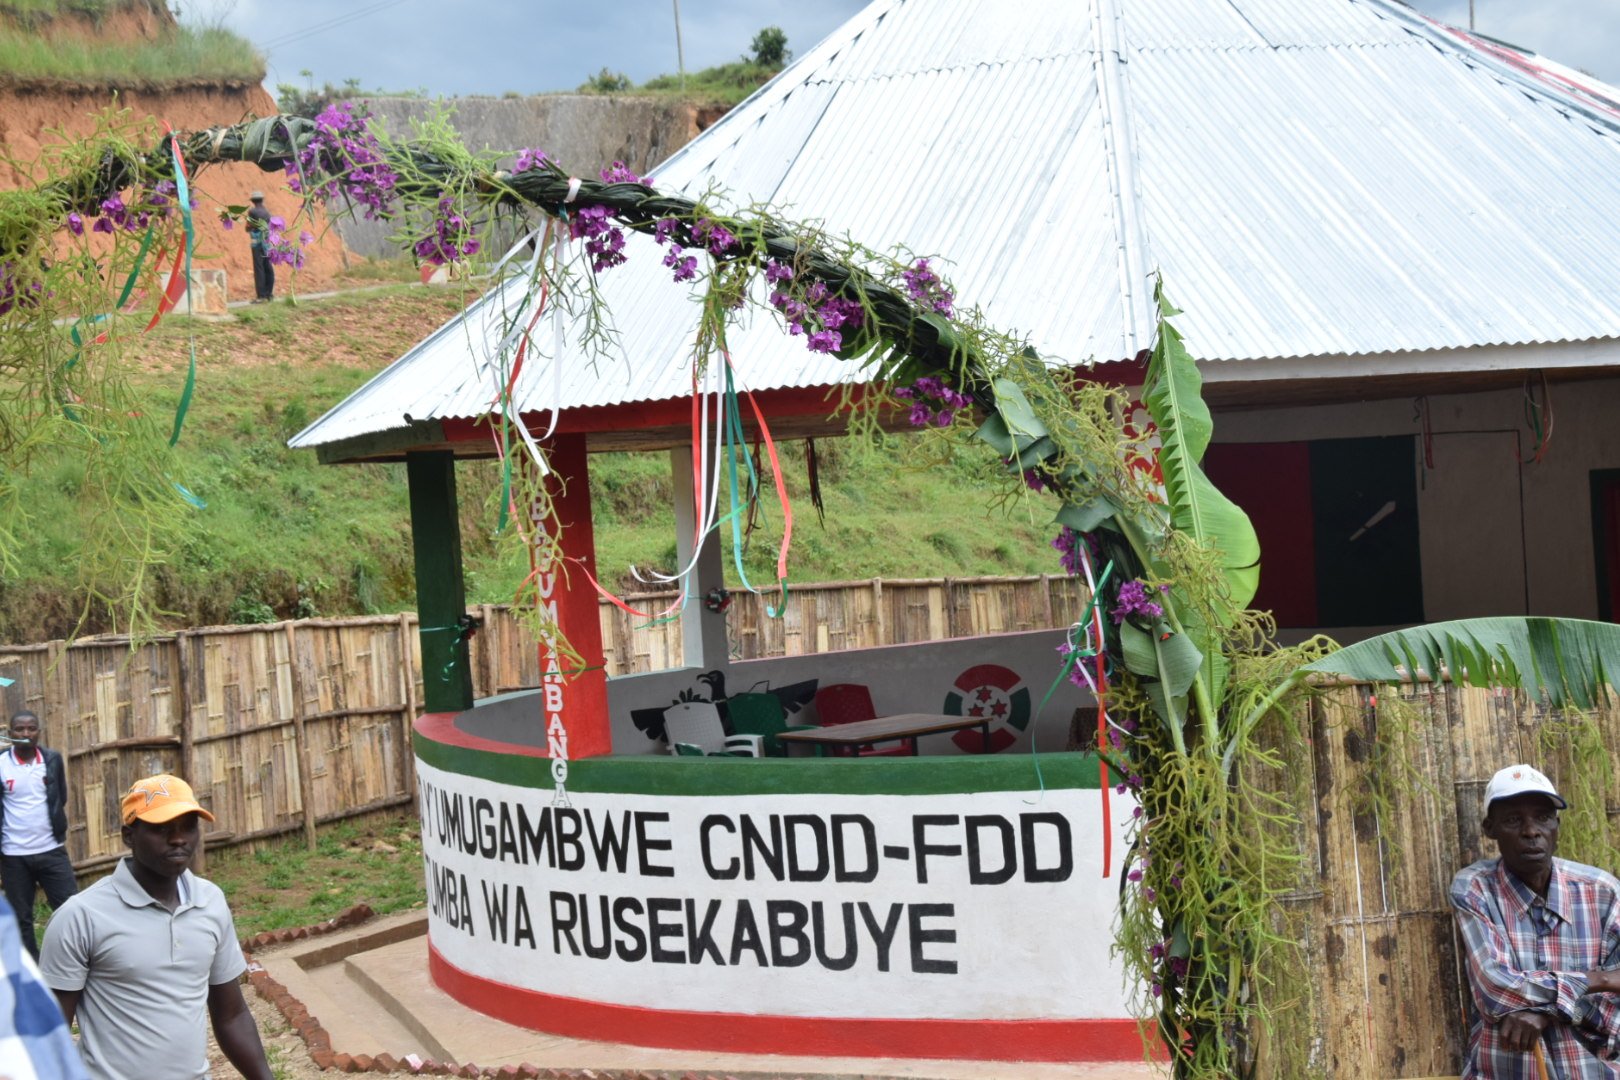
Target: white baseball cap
[[1521, 780]]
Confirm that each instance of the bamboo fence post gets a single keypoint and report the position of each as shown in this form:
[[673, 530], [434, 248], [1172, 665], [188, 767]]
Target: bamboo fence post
[[56, 682], [306, 783], [882, 624], [1046, 598], [408, 670], [182, 677], [950, 609], [490, 655]]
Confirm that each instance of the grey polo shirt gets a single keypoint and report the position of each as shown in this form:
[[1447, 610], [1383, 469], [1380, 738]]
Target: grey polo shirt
[[145, 973]]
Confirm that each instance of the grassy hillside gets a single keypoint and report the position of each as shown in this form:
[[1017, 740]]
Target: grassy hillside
[[285, 536], [127, 44]]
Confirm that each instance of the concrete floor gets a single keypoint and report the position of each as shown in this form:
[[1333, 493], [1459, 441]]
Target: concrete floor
[[369, 988]]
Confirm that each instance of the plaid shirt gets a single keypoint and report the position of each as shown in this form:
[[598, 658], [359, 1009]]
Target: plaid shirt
[[1526, 953], [34, 1039]]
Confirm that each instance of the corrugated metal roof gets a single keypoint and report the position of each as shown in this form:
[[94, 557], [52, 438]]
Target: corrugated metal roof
[[1313, 178]]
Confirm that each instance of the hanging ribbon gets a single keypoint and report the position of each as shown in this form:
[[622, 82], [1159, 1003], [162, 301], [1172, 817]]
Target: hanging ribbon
[[183, 195], [1088, 648]]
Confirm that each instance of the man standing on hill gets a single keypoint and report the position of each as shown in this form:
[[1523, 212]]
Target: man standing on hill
[[258, 228], [140, 955], [33, 826], [1542, 937]]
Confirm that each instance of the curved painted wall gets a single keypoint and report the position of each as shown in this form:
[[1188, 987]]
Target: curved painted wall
[[921, 907]]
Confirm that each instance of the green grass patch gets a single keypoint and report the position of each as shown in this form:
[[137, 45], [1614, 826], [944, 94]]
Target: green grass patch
[[375, 861], [723, 84], [285, 536], [182, 55]]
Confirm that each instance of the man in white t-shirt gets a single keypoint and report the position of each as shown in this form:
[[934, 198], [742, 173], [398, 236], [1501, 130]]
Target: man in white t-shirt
[[33, 826]]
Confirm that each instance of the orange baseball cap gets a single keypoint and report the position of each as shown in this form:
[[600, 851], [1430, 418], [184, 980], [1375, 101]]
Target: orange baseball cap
[[161, 798]]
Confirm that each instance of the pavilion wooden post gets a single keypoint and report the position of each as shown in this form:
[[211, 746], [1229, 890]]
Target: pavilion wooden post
[[703, 632], [441, 595], [574, 704]]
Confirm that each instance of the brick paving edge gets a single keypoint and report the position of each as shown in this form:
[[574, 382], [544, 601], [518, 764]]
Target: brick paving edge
[[325, 1057]]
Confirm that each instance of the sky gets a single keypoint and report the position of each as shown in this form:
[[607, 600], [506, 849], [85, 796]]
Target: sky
[[454, 47]]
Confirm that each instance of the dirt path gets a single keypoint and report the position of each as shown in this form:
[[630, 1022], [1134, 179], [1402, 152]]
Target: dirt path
[[289, 1057]]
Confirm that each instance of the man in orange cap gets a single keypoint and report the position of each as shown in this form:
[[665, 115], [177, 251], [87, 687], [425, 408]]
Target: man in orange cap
[[141, 956]]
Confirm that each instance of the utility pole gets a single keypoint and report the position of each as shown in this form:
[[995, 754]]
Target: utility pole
[[1470, 17], [680, 54]]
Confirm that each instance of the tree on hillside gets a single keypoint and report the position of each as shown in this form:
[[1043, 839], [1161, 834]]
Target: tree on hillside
[[606, 81], [770, 47]]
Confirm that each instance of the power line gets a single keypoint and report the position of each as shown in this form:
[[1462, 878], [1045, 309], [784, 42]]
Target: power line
[[321, 27]]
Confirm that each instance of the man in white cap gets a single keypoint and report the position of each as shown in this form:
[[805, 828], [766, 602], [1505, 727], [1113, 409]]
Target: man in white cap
[[147, 956], [1542, 937]]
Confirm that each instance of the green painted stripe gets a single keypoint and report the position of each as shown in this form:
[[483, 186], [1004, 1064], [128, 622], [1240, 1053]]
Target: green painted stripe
[[660, 774]]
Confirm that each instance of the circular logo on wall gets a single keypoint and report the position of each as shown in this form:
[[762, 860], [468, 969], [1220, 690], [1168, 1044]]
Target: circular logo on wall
[[995, 693]]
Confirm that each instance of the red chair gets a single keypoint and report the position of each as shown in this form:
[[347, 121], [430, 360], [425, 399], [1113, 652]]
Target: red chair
[[849, 703]]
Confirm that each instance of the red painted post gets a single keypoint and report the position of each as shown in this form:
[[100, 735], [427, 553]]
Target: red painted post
[[573, 696]]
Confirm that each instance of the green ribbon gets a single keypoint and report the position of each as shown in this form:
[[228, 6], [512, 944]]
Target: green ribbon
[[183, 193], [1076, 654]]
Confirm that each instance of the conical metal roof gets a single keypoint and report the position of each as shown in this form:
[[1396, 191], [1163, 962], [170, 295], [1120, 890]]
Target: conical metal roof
[[1314, 178]]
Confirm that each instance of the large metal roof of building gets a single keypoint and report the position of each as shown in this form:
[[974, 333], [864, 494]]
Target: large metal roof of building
[[1314, 178]]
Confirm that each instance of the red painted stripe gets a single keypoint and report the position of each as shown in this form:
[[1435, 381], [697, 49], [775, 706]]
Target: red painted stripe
[[440, 727], [814, 1036]]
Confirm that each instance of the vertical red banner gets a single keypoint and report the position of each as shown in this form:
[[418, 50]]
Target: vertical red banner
[[573, 690]]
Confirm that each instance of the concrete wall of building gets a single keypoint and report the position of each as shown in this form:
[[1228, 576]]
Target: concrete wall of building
[[1498, 537]]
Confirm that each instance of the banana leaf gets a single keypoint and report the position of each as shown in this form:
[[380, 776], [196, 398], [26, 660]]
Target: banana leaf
[[1172, 394], [1567, 661]]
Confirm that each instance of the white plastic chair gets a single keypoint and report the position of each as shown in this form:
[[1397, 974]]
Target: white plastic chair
[[694, 727]]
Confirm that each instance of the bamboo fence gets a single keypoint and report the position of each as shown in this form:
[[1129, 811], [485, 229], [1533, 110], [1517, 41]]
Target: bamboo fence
[[1388, 996], [283, 726]]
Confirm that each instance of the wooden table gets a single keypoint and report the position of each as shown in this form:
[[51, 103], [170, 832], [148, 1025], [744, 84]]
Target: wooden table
[[901, 727]]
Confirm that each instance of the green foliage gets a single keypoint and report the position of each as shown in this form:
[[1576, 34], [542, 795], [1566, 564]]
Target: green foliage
[[606, 81], [770, 47], [182, 55], [1568, 662]]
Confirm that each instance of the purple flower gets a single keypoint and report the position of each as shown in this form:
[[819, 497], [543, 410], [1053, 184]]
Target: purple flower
[[306, 237], [778, 272], [1133, 601], [685, 266], [721, 240], [838, 312], [113, 207], [920, 415], [926, 288], [75, 223], [530, 159], [277, 223], [662, 229], [102, 225], [825, 341], [619, 173]]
